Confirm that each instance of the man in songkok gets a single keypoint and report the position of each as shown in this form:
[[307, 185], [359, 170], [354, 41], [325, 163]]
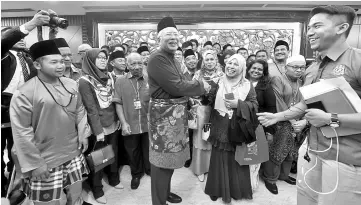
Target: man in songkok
[[144, 52], [208, 46], [117, 61], [190, 61], [70, 70], [168, 128], [50, 130], [281, 52]]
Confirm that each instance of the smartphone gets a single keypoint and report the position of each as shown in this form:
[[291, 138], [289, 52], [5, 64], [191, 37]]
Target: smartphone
[[229, 96], [207, 78]]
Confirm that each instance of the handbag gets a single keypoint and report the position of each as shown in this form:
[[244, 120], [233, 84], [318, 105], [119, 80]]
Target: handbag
[[206, 130], [255, 152], [100, 158], [192, 118]]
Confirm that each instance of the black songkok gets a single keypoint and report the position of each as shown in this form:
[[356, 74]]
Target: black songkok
[[188, 52], [116, 54], [166, 22], [44, 48]]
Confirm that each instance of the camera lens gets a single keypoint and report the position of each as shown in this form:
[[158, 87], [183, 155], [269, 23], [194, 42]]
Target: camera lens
[[62, 23], [58, 22]]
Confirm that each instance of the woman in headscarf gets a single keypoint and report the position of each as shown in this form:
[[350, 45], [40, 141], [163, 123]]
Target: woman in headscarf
[[228, 179], [202, 106], [96, 87]]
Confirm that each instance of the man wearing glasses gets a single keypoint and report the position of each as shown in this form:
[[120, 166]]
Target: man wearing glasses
[[283, 149], [71, 71], [81, 52]]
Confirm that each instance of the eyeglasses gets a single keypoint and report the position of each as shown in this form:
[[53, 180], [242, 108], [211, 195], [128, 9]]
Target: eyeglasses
[[67, 55], [172, 34], [102, 58], [136, 63], [297, 67]]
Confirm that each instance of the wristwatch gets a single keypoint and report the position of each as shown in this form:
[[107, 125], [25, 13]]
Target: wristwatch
[[334, 120]]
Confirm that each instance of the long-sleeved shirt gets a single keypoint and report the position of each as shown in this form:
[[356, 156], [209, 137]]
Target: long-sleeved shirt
[[276, 69], [167, 81], [287, 92], [44, 132]]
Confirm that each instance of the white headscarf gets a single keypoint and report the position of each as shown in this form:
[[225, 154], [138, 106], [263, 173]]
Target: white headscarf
[[240, 91]]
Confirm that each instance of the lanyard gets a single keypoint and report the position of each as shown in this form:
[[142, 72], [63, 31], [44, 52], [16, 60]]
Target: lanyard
[[71, 94], [136, 89], [278, 68], [322, 67]]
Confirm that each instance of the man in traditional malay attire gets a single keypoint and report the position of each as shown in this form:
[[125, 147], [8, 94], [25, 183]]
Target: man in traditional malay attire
[[50, 130], [168, 129]]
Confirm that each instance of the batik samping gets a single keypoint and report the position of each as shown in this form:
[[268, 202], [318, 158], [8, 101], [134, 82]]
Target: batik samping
[[168, 125], [168, 133]]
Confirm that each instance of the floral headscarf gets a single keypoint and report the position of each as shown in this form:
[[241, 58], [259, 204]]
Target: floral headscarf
[[240, 90]]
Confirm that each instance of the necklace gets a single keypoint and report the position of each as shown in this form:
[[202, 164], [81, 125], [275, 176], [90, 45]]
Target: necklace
[[71, 94], [278, 68]]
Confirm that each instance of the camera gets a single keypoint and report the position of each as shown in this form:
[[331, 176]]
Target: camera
[[56, 21]]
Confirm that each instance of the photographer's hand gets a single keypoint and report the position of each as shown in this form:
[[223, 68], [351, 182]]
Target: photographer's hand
[[41, 18], [51, 12]]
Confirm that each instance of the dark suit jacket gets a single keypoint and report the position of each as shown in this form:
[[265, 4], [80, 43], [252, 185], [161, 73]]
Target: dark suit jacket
[[266, 101], [8, 66], [200, 60]]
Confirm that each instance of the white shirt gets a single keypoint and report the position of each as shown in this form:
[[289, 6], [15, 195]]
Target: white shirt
[[18, 78]]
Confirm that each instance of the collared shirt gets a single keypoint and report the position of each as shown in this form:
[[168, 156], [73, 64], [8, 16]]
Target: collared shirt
[[344, 61], [127, 90], [189, 75], [18, 78], [75, 73]]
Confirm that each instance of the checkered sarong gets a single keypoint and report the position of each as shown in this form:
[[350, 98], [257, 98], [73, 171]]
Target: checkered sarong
[[60, 177]]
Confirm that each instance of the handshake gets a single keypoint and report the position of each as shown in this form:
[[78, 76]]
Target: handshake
[[207, 86]]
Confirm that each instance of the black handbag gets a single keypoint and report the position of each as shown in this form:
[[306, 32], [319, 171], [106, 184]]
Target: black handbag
[[100, 158]]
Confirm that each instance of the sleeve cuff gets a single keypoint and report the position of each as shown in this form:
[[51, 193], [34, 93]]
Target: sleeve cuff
[[118, 101], [23, 30]]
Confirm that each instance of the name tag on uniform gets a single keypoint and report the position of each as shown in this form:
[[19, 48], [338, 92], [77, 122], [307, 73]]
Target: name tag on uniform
[[137, 104]]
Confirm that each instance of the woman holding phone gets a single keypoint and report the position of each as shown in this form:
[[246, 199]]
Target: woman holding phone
[[228, 179], [202, 148]]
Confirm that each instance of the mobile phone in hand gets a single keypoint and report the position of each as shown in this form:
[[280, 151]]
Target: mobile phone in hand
[[229, 96]]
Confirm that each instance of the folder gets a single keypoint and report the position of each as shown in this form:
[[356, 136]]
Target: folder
[[330, 97]]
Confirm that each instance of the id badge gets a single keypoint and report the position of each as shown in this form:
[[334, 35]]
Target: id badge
[[137, 104]]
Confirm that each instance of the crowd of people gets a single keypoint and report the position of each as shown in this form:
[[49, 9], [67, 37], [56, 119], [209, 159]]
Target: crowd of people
[[183, 105]]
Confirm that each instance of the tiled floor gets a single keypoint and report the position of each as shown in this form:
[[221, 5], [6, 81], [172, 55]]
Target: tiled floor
[[186, 185]]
